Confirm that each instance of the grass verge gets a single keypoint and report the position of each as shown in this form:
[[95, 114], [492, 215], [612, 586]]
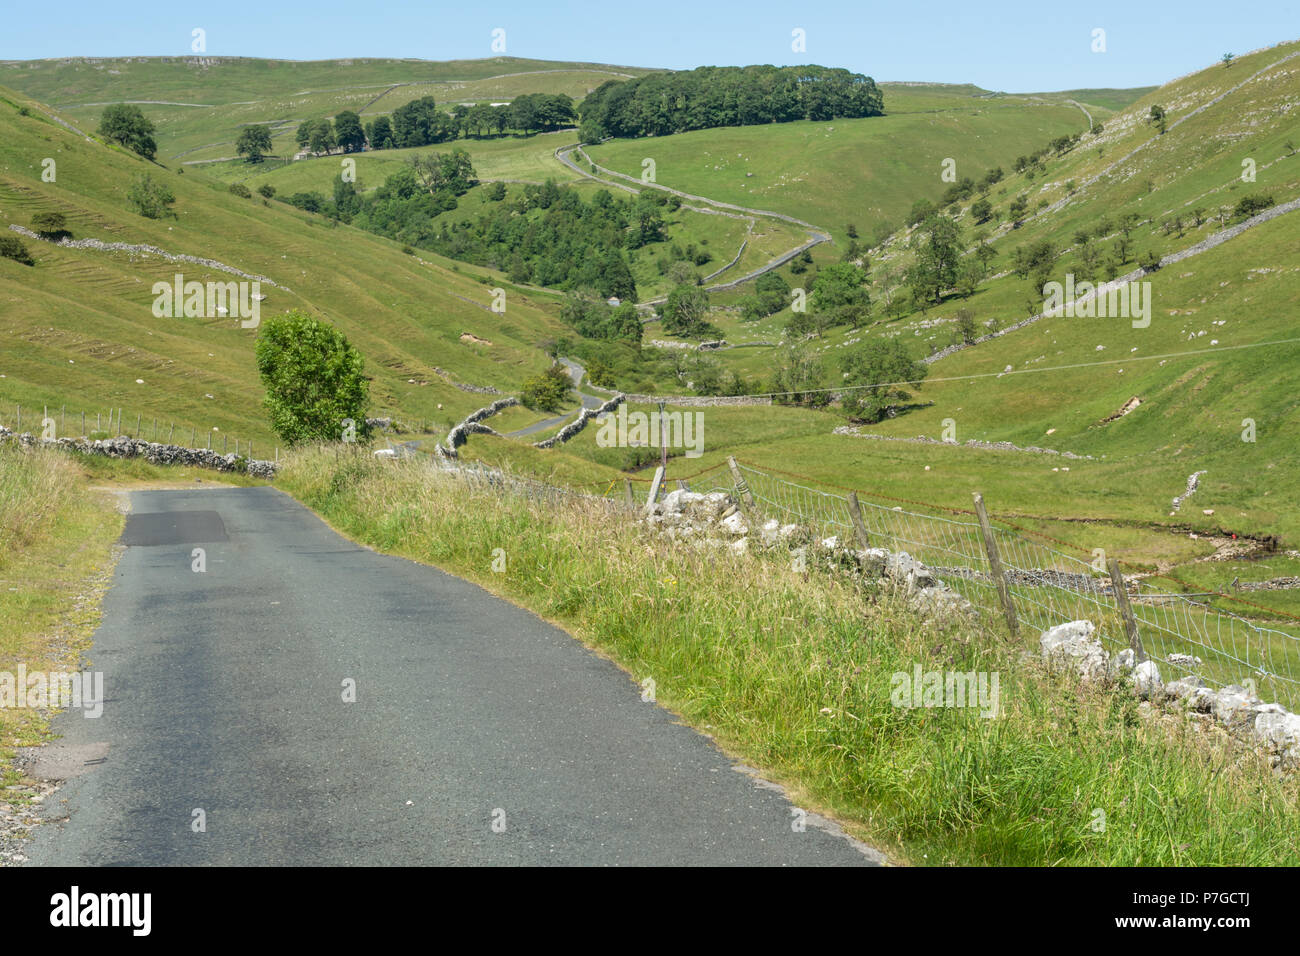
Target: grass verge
[[56, 558], [792, 673]]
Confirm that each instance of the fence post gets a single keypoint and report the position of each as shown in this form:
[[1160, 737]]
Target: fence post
[[137, 423], [739, 480], [995, 565], [83, 424], [1126, 611], [20, 420], [654, 489], [627, 493], [860, 529]]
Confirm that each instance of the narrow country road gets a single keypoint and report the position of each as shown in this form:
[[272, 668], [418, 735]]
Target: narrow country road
[[224, 693]]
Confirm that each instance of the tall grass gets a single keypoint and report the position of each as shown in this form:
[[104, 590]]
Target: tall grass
[[791, 672], [55, 558], [33, 486]]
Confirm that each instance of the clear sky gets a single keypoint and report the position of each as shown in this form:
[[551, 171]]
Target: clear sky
[[1011, 45]]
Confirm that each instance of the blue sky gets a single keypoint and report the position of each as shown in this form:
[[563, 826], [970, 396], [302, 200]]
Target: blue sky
[[1012, 45]]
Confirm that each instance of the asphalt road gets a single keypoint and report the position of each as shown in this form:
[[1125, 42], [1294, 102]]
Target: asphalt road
[[224, 693]]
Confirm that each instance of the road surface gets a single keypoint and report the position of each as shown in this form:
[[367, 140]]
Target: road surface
[[224, 694]]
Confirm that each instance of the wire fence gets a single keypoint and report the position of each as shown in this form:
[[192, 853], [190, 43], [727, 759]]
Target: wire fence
[[1045, 585]]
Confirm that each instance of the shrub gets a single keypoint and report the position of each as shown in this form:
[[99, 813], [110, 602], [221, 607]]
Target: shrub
[[548, 391], [314, 379], [240, 190], [12, 248], [266, 190], [150, 199], [1249, 206]]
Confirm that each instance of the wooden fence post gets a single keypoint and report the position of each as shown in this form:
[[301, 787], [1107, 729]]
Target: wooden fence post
[[1126, 611], [855, 513], [739, 480], [83, 424], [654, 488], [628, 494], [995, 565]]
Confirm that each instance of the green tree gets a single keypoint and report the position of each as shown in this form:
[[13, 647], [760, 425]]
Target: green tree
[[51, 225], [322, 137], [254, 142], [881, 372], [981, 210], [150, 199], [1157, 118], [266, 190], [839, 295], [313, 377], [685, 310], [11, 247], [937, 245], [381, 134], [348, 132], [549, 391], [127, 125], [798, 376]]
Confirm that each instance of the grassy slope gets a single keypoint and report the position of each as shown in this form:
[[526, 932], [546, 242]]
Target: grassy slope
[[1193, 407], [225, 93], [78, 327], [864, 171]]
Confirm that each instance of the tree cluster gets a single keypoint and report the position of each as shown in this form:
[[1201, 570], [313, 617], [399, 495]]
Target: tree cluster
[[662, 103]]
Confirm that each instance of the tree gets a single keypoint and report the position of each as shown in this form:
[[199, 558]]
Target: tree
[[881, 372], [322, 137], [313, 377], [1157, 118], [1227, 59], [549, 391], [798, 375], [839, 296], [266, 190], [938, 249], [51, 225], [420, 122], [381, 134], [127, 125], [11, 247], [348, 132], [305, 129], [966, 327], [254, 142], [685, 310], [150, 199], [981, 210]]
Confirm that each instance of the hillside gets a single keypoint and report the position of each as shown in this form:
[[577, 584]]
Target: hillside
[[200, 103], [78, 327]]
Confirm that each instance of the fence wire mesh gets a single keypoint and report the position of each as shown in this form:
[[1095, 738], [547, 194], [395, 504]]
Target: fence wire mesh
[[1047, 586], [1184, 635]]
